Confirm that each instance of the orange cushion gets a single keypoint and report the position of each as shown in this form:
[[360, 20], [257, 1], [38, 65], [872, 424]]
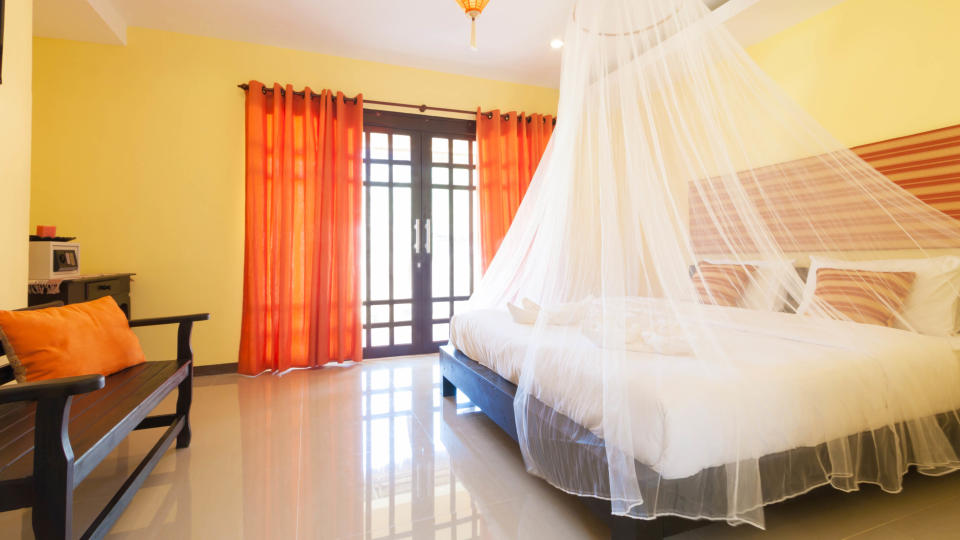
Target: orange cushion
[[721, 284], [78, 339], [860, 295]]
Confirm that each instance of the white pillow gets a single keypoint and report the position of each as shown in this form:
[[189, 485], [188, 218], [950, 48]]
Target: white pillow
[[931, 306], [767, 288]]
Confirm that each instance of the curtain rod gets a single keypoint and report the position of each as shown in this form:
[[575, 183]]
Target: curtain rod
[[421, 108]]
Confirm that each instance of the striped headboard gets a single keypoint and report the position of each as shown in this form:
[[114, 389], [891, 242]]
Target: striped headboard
[[801, 214], [926, 164]]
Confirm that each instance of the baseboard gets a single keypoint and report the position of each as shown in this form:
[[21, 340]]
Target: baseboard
[[214, 369]]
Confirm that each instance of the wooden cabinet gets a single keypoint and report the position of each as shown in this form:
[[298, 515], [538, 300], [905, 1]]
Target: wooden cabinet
[[78, 289]]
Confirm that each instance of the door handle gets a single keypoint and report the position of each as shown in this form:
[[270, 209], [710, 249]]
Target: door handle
[[416, 236], [427, 232]]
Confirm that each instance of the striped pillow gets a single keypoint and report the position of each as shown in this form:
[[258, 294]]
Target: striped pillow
[[721, 284], [860, 295]]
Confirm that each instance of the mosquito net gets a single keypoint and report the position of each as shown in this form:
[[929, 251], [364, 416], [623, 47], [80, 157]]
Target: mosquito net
[[715, 304]]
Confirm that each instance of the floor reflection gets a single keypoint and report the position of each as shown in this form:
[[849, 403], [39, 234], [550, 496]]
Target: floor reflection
[[369, 451], [171, 508], [374, 452], [409, 487]]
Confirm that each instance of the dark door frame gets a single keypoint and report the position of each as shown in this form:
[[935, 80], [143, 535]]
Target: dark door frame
[[421, 128]]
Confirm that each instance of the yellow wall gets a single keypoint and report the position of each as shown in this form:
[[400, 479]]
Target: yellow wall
[[15, 151], [138, 151], [870, 70]]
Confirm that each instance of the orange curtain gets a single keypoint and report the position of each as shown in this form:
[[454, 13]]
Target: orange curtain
[[510, 147], [301, 290]]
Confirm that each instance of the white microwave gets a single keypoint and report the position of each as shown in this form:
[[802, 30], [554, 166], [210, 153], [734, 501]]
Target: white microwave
[[52, 260]]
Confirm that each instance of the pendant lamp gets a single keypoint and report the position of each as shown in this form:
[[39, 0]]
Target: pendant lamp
[[473, 8]]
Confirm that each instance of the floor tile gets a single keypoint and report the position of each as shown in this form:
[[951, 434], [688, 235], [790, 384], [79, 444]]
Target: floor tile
[[934, 522], [829, 514]]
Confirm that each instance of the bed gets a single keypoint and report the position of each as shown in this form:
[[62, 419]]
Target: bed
[[806, 387]]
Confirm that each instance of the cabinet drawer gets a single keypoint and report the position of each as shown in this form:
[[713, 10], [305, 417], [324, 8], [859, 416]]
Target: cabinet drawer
[[107, 287]]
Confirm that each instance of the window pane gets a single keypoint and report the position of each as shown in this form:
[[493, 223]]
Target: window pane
[[460, 306], [440, 242], [441, 310], [379, 314], [379, 172], [402, 244], [401, 174], [379, 251], [441, 150], [461, 243], [461, 152], [379, 146], [401, 147], [441, 332], [461, 177], [475, 159], [477, 260], [402, 335], [363, 243], [441, 176], [402, 312], [380, 337]]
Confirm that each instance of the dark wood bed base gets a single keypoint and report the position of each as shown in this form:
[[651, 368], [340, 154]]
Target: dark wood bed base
[[494, 395]]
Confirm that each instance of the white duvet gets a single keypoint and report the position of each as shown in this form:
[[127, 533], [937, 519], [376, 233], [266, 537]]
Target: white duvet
[[785, 381]]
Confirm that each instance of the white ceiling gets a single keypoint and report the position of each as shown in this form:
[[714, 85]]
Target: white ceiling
[[513, 35]]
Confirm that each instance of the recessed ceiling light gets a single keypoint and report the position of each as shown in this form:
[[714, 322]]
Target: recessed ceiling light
[[556, 43]]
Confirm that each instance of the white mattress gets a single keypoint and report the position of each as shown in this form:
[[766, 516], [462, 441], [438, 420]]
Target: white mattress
[[791, 381]]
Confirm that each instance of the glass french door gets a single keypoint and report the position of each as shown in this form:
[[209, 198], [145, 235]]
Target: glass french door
[[420, 253]]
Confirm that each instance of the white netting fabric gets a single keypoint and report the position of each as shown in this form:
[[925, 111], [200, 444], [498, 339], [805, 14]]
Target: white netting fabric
[[672, 148]]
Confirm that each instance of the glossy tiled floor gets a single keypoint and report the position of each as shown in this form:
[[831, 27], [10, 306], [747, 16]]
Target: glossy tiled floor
[[372, 451]]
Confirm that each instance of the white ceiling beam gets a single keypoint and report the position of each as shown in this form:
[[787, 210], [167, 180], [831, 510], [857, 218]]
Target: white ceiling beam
[[111, 17], [97, 21], [753, 21]]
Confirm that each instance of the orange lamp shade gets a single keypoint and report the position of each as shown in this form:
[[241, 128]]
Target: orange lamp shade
[[473, 8]]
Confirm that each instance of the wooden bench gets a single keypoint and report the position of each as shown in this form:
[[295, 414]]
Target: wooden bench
[[54, 433]]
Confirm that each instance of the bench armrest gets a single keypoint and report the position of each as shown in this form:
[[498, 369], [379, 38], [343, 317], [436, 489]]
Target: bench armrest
[[170, 320], [185, 322], [51, 388]]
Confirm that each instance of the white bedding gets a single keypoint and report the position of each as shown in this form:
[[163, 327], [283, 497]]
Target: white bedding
[[796, 381]]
